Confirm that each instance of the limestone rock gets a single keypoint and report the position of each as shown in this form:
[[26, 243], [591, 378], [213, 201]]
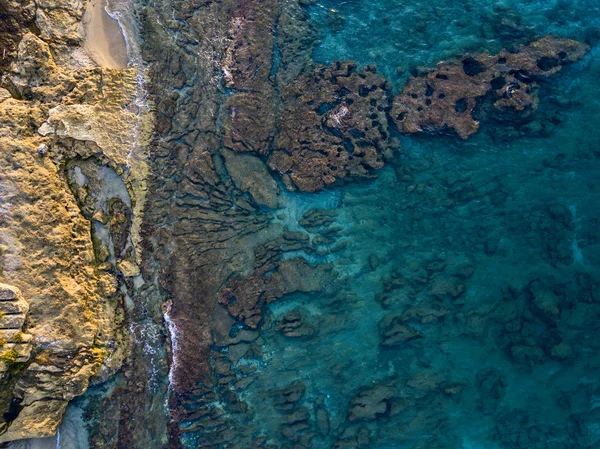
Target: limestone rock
[[250, 174], [15, 345], [72, 334]]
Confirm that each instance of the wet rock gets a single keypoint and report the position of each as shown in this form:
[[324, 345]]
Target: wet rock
[[247, 64], [334, 125], [374, 262], [288, 398], [315, 220], [492, 388], [527, 355], [371, 403], [446, 287], [245, 298], [293, 325], [296, 424], [250, 174], [446, 97], [545, 303], [321, 416]]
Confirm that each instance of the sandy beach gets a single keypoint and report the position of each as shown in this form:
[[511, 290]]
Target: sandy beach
[[104, 39]]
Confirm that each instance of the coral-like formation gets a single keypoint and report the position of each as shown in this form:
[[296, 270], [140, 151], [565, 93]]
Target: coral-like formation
[[446, 97], [334, 125]]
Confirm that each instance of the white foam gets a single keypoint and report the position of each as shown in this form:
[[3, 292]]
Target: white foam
[[172, 327]]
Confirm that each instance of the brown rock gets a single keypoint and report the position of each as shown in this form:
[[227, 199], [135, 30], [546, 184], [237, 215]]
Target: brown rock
[[394, 332], [334, 125], [244, 298], [293, 325], [446, 97], [371, 403], [249, 174]]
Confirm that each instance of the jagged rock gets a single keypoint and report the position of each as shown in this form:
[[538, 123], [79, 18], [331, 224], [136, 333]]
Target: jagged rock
[[334, 125], [17, 17], [74, 324], [15, 345], [446, 97]]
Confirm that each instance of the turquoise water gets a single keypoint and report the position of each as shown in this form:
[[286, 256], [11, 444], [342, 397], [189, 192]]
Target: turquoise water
[[486, 249], [406, 35], [465, 313]]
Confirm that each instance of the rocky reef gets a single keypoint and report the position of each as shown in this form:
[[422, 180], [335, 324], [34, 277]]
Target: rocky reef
[[446, 98], [333, 125]]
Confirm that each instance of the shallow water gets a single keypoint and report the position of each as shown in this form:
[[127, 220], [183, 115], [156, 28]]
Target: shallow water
[[484, 253], [464, 241]]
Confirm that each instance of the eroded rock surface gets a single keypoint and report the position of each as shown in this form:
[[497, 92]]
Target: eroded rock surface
[[446, 98], [334, 125], [61, 107], [236, 95], [15, 342]]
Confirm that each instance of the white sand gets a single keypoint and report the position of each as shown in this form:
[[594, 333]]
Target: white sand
[[104, 40]]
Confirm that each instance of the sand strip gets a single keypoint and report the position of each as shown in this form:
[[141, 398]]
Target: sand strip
[[104, 40]]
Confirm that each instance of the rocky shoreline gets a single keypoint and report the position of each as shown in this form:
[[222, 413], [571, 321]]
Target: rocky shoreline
[[144, 229]]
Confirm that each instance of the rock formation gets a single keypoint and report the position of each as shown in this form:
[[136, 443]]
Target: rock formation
[[334, 125], [163, 221], [446, 97], [58, 107]]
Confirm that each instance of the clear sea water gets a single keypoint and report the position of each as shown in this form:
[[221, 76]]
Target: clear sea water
[[488, 248], [518, 203]]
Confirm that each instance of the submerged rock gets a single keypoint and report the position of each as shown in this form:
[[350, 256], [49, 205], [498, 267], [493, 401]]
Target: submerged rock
[[371, 403]]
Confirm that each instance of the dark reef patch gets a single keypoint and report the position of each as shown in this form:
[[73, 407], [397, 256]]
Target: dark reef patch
[[317, 146]]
